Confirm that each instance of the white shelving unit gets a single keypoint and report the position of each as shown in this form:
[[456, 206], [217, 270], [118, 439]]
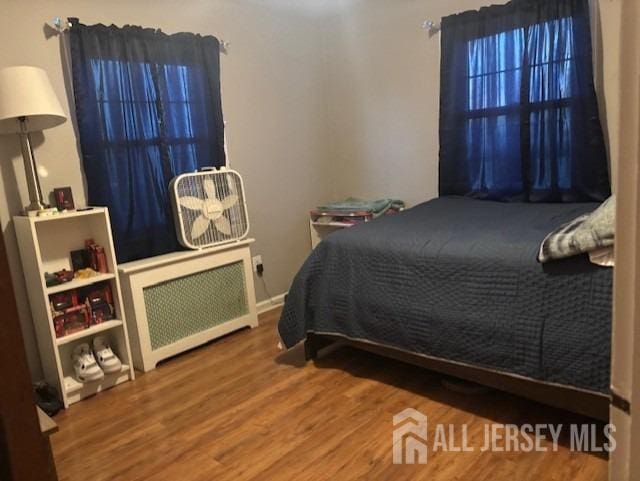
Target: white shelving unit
[[318, 231], [45, 244]]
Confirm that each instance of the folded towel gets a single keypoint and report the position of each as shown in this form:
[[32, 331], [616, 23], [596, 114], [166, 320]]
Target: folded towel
[[586, 233]]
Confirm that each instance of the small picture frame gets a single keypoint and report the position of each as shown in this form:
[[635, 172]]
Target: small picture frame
[[80, 259], [63, 197]]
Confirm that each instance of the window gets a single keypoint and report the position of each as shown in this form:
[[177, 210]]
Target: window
[[166, 117], [517, 104], [149, 109], [497, 68]]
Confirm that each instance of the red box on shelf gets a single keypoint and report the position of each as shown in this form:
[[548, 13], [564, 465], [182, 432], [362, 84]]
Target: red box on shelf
[[74, 319], [78, 309], [99, 298], [97, 255]]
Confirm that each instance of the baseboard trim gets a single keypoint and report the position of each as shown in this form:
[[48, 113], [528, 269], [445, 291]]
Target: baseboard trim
[[270, 304]]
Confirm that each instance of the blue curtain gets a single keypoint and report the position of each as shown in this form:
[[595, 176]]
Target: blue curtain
[[518, 110], [148, 108]]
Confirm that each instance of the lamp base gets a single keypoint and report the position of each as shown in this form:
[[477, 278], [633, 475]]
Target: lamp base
[[36, 205], [41, 212], [33, 182]]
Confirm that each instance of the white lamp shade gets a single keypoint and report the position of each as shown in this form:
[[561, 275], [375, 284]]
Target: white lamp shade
[[27, 92]]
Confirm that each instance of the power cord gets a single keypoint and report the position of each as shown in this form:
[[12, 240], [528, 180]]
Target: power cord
[[260, 273]]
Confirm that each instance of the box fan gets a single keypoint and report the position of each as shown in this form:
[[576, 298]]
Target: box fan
[[209, 208]]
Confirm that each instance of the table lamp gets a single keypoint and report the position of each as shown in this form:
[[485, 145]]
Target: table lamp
[[28, 104]]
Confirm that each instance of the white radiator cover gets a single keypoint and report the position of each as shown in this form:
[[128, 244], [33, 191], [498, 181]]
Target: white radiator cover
[[178, 301]]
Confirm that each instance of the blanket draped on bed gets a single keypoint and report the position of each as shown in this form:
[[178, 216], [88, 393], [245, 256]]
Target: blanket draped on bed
[[458, 279], [586, 233]]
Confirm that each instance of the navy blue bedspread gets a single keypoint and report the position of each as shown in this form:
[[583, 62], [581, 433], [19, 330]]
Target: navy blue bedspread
[[457, 279]]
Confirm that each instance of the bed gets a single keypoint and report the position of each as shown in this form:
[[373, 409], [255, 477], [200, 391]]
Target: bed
[[453, 284]]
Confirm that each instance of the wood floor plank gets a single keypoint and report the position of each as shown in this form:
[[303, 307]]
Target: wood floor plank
[[240, 409]]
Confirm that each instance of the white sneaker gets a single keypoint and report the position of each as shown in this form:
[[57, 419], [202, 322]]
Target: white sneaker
[[85, 365], [107, 360]]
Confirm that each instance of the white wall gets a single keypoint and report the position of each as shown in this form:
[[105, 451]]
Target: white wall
[[272, 95], [607, 45]]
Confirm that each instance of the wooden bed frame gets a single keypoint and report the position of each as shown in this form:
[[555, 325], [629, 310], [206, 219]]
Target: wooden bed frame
[[582, 402]]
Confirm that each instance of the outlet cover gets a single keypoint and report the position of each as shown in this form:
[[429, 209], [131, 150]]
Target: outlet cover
[[255, 260]]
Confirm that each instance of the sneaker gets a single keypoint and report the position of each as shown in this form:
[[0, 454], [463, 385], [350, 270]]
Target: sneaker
[[48, 398], [107, 360], [85, 365]]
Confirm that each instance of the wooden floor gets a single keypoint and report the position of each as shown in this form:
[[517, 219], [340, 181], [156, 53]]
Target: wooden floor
[[239, 409]]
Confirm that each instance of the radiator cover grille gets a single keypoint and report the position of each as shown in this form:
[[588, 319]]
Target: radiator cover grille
[[182, 307]]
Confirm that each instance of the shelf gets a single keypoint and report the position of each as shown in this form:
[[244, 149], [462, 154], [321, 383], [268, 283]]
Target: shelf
[[77, 283], [67, 215], [71, 385], [47, 425], [92, 331], [334, 224]]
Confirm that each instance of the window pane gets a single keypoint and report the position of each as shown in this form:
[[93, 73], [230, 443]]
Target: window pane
[[185, 118], [177, 109], [176, 80], [551, 52], [496, 53], [494, 90], [124, 117], [553, 81], [551, 151], [184, 157], [144, 163], [494, 66], [550, 41], [493, 153]]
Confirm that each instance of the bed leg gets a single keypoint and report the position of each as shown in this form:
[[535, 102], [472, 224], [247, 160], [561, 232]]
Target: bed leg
[[310, 348]]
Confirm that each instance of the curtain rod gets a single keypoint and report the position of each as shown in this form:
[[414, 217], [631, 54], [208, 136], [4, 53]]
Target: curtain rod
[[62, 26], [431, 27]]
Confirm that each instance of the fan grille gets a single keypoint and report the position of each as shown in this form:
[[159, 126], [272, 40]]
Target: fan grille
[[225, 183]]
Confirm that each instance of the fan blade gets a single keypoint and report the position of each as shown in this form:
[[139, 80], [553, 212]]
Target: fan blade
[[199, 227], [192, 203], [223, 225], [230, 183], [229, 201], [209, 188]]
